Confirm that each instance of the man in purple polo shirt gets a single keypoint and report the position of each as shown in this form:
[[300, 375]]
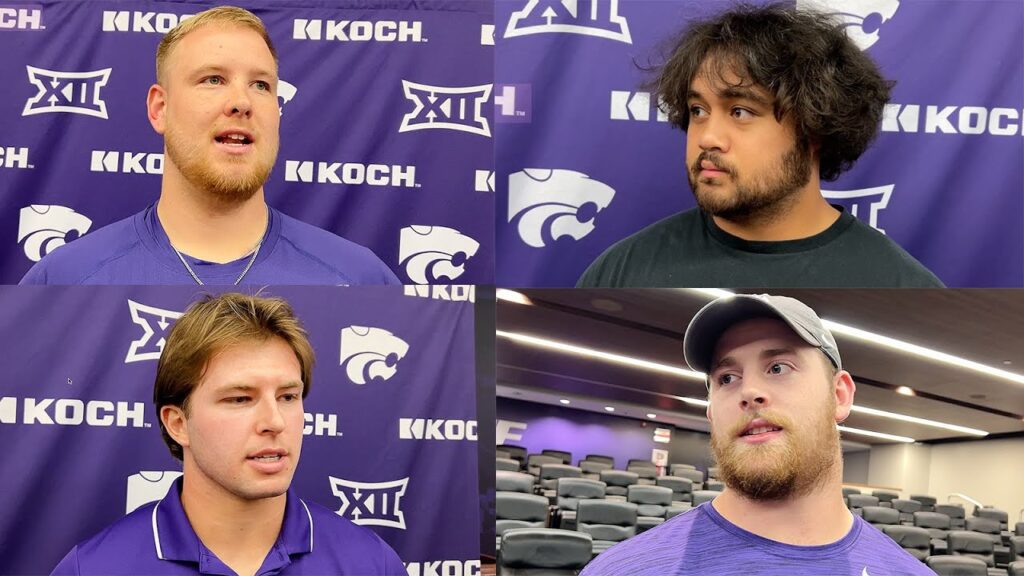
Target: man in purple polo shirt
[[215, 103], [777, 390], [229, 392]]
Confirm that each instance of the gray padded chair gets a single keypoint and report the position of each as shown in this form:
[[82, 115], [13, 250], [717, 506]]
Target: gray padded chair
[[673, 467], [676, 511], [714, 485], [517, 510], [927, 502], [971, 544], [592, 469], [1016, 544], [570, 491], [702, 496], [562, 455], [857, 502], [602, 459], [514, 452], [993, 513], [990, 527], [498, 453], [506, 464], [937, 526], [535, 461], [695, 476], [1015, 568], [508, 481], [906, 509], [639, 462], [885, 497], [652, 502], [878, 516], [550, 473], [713, 472], [955, 513], [646, 474], [916, 541], [618, 482], [1018, 530], [607, 521], [543, 551], [957, 566], [848, 491], [682, 488]]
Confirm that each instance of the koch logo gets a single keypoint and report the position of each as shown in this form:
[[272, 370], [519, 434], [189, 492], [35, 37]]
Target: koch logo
[[430, 429], [21, 17], [44, 228], [484, 181], [429, 253], [155, 324], [487, 34], [350, 173], [127, 162], [453, 293], [634, 106], [358, 30], [370, 354], [444, 568], [11, 157], [320, 425], [588, 17], [149, 22], [285, 93], [148, 486], [371, 503], [861, 19], [73, 92], [865, 203], [953, 120], [509, 431], [73, 412], [446, 108], [512, 103], [546, 205]]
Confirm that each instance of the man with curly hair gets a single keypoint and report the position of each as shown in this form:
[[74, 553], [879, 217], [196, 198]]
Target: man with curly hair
[[773, 100]]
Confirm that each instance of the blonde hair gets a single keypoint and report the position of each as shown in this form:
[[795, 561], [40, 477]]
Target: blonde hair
[[221, 14], [208, 327]]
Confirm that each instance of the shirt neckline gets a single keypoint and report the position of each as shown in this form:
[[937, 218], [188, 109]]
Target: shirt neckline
[[782, 549], [837, 228]]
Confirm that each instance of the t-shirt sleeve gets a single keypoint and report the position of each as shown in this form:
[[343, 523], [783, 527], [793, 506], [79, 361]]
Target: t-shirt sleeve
[[393, 565], [35, 275], [69, 565], [596, 275]]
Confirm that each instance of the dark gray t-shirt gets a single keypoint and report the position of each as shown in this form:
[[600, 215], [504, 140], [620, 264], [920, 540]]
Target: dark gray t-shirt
[[703, 543], [689, 250]]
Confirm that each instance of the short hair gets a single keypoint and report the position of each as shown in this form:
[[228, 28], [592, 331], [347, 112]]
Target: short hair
[[834, 92], [212, 325], [221, 14]]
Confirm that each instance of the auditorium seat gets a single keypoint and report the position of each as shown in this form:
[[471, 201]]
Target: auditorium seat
[[682, 488], [993, 513], [570, 491], [618, 482], [674, 511], [1016, 545], [955, 513], [516, 510], [535, 461], [639, 462], [713, 472], [651, 504], [714, 485], [1018, 530], [906, 509], [937, 526], [562, 455], [695, 476], [646, 474], [702, 496], [672, 468], [514, 452], [502, 454], [549, 475], [971, 544], [990, 527], [602, 459], [848, 491], [607, 521], [878, 516], [885, 497], [592, 469], [859, 501], [543, 551], [916, 541], [927, 502], [957, 566], [1015, 568], [506, 464], [509, 481]]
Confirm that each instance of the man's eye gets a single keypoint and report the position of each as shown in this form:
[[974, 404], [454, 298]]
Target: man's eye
[[263, 85], [290, 397], [237, 399], [742, 113], [215, 80], [725, 379], [779, 368], [696, 111]]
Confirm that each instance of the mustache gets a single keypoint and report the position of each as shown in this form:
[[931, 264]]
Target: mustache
[[714, 158], [772, 419]]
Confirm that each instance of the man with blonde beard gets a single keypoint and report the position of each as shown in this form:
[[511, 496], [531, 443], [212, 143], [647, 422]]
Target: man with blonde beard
[[215, 103], [776, 391]]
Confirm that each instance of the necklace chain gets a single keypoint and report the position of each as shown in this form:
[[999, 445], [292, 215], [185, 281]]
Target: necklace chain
[[252, 260]]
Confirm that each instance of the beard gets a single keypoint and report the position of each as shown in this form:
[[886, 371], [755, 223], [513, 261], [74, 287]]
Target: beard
[[789, 466], [223, 184], [763, 199]]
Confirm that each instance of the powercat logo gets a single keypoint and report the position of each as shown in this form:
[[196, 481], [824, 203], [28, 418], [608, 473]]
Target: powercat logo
[[370, 354], [44, 228], [546, 205], [598, 18], [861, 19], [429, 253]]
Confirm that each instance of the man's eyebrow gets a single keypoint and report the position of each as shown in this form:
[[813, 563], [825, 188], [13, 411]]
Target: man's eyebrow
[[773, 352], [249, 388], [738, 93], [724, 362], [208, 68]]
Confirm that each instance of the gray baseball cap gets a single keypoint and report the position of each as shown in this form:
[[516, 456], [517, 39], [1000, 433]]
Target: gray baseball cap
[[713, 320]]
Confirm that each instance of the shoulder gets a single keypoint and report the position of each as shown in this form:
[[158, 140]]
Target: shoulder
[[78, 260], [649, 553], [354, 547], [885, 254], [348, 259], [117, 549], [613, 266], [875, 546]]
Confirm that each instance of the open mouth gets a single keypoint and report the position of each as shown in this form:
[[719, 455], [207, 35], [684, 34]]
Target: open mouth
[[234, 138], [760, 427], [267, 456]]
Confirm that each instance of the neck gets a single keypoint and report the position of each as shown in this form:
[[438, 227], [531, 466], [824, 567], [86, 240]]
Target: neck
[[203, 226], [240, 532], [804, 214], [813, 519]]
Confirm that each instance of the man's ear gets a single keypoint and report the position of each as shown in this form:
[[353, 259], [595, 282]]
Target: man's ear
[[844, 389], [176, 424], [156, 108]]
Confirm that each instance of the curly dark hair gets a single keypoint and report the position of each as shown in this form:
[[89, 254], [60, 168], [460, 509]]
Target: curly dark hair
[[804, 59]]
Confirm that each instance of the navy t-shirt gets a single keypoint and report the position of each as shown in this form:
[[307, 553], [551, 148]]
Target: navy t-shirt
[[701, 542], [158, 539], [136, 250]]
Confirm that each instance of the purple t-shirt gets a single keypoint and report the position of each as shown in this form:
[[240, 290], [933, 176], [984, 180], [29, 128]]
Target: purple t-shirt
[[136, 250], [158, 539], [702, 542]]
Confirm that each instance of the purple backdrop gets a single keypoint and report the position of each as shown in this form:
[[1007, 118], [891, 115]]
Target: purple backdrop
[[386, 135], [76, 415], [584, 159]]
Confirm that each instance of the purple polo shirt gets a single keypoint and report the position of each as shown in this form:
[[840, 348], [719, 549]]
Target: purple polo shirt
[[701, 542], [158, 539], [136, 250]]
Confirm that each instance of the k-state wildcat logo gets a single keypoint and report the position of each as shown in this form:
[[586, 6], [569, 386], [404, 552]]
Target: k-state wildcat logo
[[546, 205], [370, 354], [44, 228], [430, 253]]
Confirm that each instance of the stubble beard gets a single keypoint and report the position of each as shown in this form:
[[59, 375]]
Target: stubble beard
[[225, 187]]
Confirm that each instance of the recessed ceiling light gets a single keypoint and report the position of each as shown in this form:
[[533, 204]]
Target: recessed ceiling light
[[564, 401], [652, 416], [511, 296], [606, 305], [906, 391], [881, 435], [609, 409]]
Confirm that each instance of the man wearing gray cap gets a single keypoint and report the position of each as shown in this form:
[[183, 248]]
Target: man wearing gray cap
[[777, 389]]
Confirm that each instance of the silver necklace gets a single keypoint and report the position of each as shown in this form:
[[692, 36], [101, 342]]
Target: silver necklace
[[255, 253]]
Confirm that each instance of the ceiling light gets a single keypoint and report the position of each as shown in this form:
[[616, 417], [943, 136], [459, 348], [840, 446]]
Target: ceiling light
[[564, 401], [881, 435], [511, 296], [609, 409], [906, 391], [652, 416], [921, 421]]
